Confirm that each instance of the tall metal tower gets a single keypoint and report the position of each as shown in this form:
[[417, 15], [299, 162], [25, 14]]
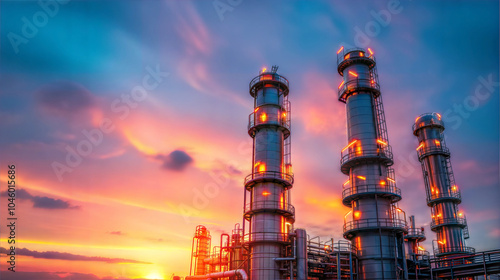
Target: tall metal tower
[[374, 224], [268, 209], [443, 195]]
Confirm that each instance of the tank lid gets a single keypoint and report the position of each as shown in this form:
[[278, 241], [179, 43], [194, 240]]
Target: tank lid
[[428, 119]]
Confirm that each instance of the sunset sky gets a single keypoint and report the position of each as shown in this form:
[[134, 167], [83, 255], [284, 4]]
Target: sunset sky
[[161, 89]]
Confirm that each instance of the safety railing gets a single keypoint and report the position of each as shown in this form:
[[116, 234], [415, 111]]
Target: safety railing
[[441, 195], [266, 236], [375, 223], [427, 119], [342, 55], [437, 222], [276, 206], [352, 192], [425, 151], [281, 118], [453, 250], [351, 154], [269, 175], [417, 233], [268, 77], [357, 85]]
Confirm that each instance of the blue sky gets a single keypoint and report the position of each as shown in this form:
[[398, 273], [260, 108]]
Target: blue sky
[[432, 56]]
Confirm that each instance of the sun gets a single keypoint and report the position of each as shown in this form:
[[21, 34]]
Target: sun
[[155, 275]]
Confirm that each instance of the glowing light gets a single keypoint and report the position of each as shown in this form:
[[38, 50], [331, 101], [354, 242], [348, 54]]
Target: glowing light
[[256, 109], [347, 56], [265, 193], [370, 50], [154, 275], [357, 214], [390, 179], [264, 69], [327, 247], [454, 187], [348, 146], [399, 210], [421, 248], [419, 147], [460, 214], [341, 48], [439, 116], [352, 73], [439, 215], [438, 143], [262, 167], [382, 182], [347, 182], [341, 84], [256, 164], [347, 214], [381, 142], [442, 242], [361, 54], [284, 114], [359, 151], [417, 119], [437, 191], [433, 190], [263, 117], [361, 177]]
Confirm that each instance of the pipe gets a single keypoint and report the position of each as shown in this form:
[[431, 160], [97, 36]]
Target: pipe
[[222, 274], [301, 253]]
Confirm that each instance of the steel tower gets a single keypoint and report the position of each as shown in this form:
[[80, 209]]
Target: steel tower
[[268, 210], [443, 195], [374, 224]]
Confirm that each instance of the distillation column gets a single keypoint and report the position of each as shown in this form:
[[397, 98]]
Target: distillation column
[[268, 210], [443, 195], [374, 225]]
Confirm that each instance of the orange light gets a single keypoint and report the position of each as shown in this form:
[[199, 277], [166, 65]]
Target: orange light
[[381, 142], [437, 191], [265, 193], [264, 69], [361, 54], [421, 248], [346, 182], [284, 114], [350, 144], [433, 190], [454, 187], [341, 48], [442, 242], [345, 216], [361, 177], [382, 182], [262, 167], [352, 73], [372, 81], [358, 150], [421, 145], [460, 214], [390, 179], [263, 117], [370, 50], [341, 84], [357, 214], [439, 116], [417, 119], [399, 210], [327, 247], [256, 109], [437, 142], [347, 56], [439, 215]]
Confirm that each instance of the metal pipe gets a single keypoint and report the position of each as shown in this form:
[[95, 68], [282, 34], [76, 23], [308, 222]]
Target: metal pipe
[[222, 274]]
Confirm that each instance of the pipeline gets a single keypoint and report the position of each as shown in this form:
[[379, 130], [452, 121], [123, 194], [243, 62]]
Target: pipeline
[[222, 274]]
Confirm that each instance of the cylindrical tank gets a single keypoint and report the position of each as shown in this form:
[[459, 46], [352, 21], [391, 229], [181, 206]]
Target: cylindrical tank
[[201, 250], [269, 211], [373, 225], [443, 195]]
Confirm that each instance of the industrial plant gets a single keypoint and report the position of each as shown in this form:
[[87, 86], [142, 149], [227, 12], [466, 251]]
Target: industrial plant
[[380, 241]]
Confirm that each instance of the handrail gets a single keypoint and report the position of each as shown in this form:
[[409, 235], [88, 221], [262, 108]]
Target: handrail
[[260, 205], [266, 236], [462, 249], [341, 55], [268, 77], [452, 194], [425, 151], [358, 83], [416, 232], [444, 221], [374, 222], [384, 152], [271, 119], [269, 175], [367, 188]]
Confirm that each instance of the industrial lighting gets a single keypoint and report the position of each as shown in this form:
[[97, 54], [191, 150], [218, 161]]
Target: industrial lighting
[[390, 179], [399, 210], [341, 48], [347, 56], [360, 53], [421, 248], [439, 116], [382, 182], [460, 214], [265, 193], [437, 142], [256, 164], [381, 142], [417, 119], [357, 214], [264, 69], [262, 167], [341, 84], [327, 247], [347, 182], [454, 187], [421, 145], [361, 177], [352, 73], [370, 50], [350, 144], [442, 242], [263, 117], [256, 109], [439, 215], [284, 114]]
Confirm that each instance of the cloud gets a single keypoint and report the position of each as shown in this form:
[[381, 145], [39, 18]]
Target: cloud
[[117, 233], [64, 99], [177, 160], [43, 202], [53, 255]]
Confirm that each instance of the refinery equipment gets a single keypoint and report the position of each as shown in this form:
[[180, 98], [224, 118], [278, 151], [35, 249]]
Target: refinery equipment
[[443, 195], [380, 243]]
